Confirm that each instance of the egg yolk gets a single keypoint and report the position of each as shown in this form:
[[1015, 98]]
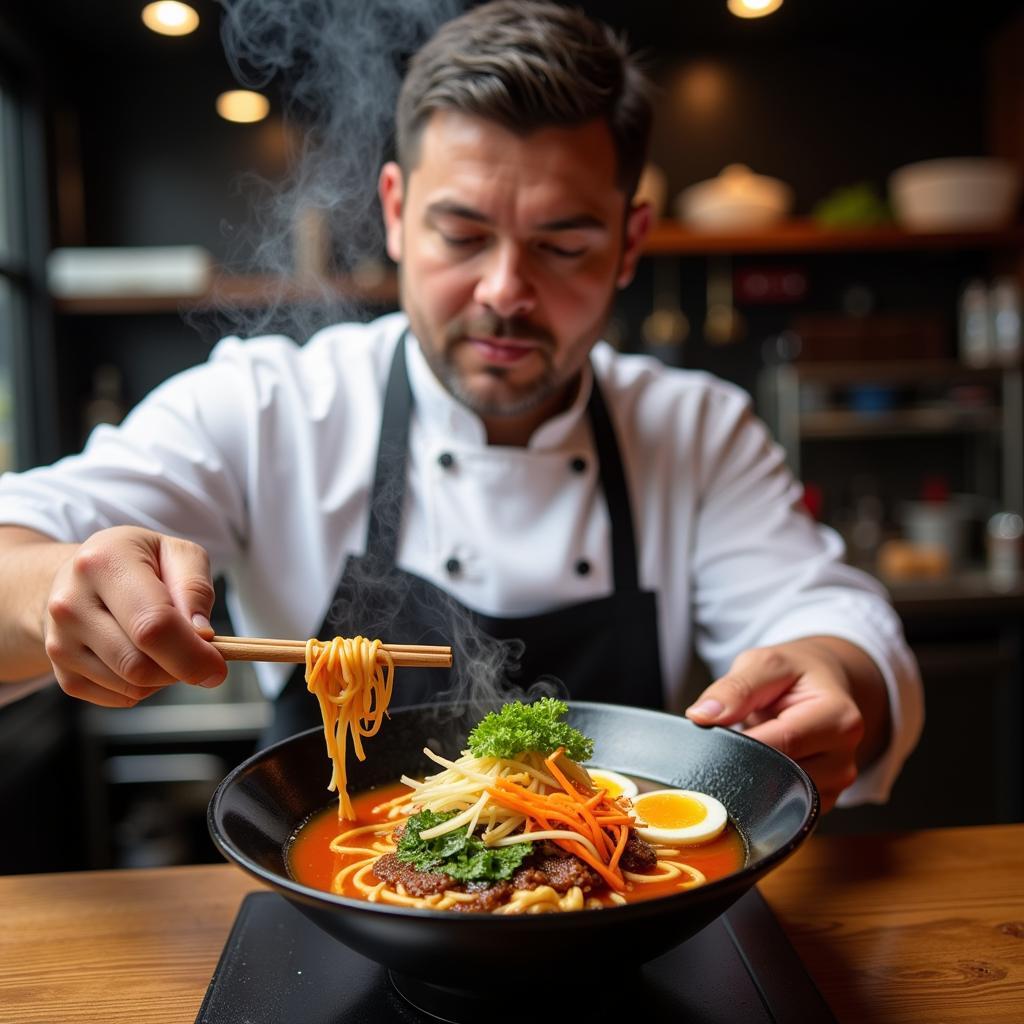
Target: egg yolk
[[668, 810], [613, 789]]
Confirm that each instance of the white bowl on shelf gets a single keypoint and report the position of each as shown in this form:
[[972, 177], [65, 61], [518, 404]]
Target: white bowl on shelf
[[955, 194], [735, 200]]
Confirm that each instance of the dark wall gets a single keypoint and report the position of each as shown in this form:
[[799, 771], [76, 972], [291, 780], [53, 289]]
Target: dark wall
[[160, 167], [820, 116], [818, 95]]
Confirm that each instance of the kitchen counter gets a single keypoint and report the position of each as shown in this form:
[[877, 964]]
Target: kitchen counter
[[971, 593], [922, 926]]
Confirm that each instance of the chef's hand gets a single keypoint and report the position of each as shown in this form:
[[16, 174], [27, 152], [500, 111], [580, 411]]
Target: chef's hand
[[128, 613], [820, 700]]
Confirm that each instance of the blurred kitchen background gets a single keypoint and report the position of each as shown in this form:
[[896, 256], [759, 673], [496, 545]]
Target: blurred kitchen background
[[839, 196]]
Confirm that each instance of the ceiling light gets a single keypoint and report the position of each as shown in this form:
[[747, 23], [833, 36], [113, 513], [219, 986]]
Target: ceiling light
[[752, 8], [170, 18], [242, 106]]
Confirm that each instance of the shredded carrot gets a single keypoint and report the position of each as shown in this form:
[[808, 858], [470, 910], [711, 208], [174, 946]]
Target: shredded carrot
[[613, 878], [620, 845], [594, 817], [549, 763]]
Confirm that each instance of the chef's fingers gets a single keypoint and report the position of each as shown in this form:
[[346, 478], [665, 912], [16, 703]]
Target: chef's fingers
[[112, 663], [87, 640], [831, 774], [79, 687], [824, 723], [93, 668], [756, 679], [185, 569], [124, 573]]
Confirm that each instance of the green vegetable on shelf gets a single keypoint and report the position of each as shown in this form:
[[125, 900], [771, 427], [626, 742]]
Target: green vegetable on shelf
[[852, 206]]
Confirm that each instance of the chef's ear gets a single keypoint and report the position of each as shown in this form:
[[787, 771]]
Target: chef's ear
[[391, 189], [638, 223]]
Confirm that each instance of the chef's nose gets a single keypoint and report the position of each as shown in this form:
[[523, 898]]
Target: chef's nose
[[504, 285]]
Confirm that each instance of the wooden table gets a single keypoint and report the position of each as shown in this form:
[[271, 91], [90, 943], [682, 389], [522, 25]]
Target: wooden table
[[926, 926]]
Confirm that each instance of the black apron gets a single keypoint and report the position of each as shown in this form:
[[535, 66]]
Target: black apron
[[604, 649]]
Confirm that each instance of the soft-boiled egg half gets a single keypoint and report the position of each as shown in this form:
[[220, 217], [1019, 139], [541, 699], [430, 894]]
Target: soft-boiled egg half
[[614, 784], [678, 817]]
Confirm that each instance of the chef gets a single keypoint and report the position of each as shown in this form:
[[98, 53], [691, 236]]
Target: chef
[[479, 468]]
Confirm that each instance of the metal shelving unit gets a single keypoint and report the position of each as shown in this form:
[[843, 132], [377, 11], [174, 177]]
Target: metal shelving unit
[[782, 397]]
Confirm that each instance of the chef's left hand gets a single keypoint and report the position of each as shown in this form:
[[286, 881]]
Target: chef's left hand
[[820, 700]]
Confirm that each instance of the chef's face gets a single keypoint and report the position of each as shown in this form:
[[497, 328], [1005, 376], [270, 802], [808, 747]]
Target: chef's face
[[510, 250]]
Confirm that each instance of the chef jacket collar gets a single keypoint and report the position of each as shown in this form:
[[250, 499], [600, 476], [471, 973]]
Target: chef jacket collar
[[445, 415]]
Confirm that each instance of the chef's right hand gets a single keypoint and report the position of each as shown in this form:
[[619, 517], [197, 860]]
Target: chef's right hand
[[128, 614]]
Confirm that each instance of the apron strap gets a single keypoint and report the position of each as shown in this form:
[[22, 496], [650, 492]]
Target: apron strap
[[389, 476], [616, 492]]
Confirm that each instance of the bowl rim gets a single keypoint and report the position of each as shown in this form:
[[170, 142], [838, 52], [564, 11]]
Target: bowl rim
[[317, 897]]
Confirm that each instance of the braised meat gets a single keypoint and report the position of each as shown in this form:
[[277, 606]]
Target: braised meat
[[489, 896], [416, 883], [561, 872], [639, 855]]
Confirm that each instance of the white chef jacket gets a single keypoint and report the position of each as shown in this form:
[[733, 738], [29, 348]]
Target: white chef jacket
[[265, 455]]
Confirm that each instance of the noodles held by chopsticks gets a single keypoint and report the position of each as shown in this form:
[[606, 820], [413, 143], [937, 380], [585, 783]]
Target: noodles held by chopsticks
[[354, 692]]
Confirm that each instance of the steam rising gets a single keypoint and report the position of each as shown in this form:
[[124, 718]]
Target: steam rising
[[338, 66], [481, 664]]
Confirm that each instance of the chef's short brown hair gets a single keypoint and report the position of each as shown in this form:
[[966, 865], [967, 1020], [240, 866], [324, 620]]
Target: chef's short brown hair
[[529, 65]]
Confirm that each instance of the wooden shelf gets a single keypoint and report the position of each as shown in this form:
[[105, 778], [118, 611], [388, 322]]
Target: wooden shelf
[[844, 423], [237, 292], [669, 237], [897, 371], [972, 592]]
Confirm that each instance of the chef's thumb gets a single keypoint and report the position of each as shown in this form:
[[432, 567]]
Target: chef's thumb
[[756, 679], [185, 570]]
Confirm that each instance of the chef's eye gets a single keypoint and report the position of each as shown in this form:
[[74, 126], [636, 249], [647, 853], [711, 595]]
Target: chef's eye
[[564, 252], [461, 241]]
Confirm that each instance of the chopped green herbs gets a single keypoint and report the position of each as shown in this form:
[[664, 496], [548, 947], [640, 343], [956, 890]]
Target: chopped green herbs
[[457, 853], [519, 727]]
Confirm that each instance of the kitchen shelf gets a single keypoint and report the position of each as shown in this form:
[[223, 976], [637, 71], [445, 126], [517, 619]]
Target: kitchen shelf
[[237, 292], [168, 722], [912, 371], [666, 238], [995, 423], [669, 237], [971, 592], [845, 423]]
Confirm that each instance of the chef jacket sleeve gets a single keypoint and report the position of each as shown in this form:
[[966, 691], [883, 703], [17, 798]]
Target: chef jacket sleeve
[[175, 465], [766, 573]]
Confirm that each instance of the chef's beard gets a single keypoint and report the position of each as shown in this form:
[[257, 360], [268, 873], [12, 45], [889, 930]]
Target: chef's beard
[[489, 325], [441, 359]]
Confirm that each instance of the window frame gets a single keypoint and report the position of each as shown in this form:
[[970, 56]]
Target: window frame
[[32, 362]]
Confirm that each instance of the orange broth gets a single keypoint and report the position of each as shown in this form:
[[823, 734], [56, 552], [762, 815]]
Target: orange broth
[[311, 862]]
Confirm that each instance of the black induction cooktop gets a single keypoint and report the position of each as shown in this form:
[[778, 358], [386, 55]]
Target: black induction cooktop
[[277, 966]]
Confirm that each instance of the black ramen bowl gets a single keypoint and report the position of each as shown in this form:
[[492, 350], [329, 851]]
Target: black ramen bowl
[[259, 806]]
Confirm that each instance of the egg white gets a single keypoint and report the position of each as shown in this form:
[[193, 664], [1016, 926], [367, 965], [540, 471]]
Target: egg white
[[708, 828], [628, 786]]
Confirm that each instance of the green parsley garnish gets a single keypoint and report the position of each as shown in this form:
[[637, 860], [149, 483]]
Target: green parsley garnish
[[457, 853], [519, 727]]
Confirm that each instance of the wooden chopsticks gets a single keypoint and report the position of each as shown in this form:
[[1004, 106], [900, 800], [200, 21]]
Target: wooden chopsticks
[[256, 648]]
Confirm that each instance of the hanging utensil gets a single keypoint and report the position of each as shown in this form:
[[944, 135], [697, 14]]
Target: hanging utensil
[[723, 324], [666, 326]]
